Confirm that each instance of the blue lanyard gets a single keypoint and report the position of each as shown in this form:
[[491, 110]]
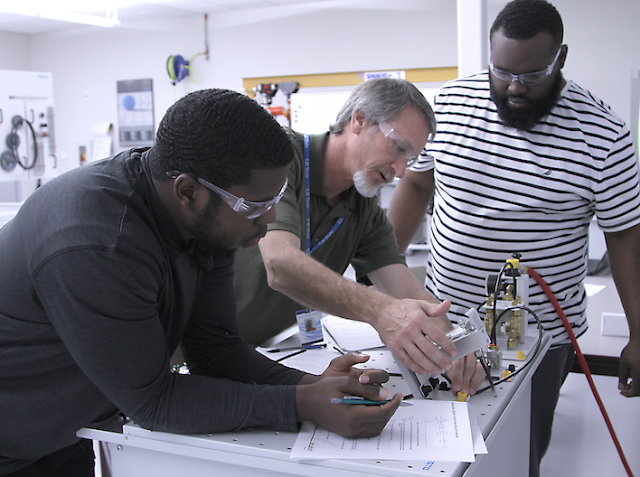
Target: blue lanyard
[[307, 186]]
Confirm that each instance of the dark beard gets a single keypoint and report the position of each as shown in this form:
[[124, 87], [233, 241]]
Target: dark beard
[[526, 119], [216, 253]]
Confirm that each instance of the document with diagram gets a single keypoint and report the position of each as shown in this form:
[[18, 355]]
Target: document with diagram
[[426, 430]]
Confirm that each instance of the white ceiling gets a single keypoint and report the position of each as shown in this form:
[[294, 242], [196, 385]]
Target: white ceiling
[[132, 11]]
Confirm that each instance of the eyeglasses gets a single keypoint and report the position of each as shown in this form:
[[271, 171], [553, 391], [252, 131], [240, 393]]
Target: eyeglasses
[[525, 78], [246, 208], [397, 146]]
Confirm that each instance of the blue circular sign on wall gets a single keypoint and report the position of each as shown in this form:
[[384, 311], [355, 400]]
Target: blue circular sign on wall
[[129, 102]]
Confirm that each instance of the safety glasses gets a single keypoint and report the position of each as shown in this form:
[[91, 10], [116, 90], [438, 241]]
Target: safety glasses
[[246, 208], [525, 78], [397, 146]]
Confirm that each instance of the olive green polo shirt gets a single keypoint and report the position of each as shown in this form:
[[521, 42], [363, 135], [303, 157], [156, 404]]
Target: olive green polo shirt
[[365, 239]]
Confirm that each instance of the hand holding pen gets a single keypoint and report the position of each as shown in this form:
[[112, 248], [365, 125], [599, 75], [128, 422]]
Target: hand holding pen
[[313, 403], [359, 400], [314, 400]]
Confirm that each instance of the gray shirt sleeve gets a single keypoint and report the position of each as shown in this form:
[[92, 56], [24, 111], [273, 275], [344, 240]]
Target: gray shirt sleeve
[[104, 306]]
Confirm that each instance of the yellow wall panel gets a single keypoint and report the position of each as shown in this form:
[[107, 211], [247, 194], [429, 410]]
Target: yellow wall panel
[[418, 75]]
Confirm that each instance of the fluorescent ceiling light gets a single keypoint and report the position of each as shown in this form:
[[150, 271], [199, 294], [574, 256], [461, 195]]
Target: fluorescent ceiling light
[[66, 16], [109, 20]]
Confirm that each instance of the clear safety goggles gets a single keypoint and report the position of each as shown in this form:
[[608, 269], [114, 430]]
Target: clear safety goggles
[[397, 146], [525, 78], [246, 208]]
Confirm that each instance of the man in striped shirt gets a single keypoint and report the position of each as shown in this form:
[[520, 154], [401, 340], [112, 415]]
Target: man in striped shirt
[[522, 161]]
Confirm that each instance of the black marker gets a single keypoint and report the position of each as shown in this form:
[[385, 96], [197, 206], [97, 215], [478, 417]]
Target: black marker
[[290, 355], [278, 350]]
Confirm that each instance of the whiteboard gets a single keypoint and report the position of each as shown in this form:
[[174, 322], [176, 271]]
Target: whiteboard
[[312, 112]]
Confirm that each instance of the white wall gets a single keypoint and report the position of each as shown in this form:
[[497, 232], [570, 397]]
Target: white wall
[[350, 35], [14, 51], [275, 41], [603, 39], [87, 62]]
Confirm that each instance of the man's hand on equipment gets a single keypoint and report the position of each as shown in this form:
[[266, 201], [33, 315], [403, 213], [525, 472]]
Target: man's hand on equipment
[[466, 375], [413, 330]]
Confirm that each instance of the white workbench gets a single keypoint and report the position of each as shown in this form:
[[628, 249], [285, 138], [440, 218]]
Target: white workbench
[[605, 301], [504, 419]]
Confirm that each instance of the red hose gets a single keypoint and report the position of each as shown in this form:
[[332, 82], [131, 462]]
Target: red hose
[[583, 364]]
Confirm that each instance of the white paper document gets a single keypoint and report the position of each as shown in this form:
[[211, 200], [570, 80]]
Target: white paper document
[[479, 446], [352, 335], [427, 430], [313, 361]]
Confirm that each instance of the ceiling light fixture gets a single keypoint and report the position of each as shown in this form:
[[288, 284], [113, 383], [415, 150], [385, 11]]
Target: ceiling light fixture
[[109, 20]]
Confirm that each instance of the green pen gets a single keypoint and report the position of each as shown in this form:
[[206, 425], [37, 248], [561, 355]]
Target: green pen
[[363, 401]]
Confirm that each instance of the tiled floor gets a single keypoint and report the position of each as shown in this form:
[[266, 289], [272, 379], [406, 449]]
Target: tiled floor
[[581, 445]]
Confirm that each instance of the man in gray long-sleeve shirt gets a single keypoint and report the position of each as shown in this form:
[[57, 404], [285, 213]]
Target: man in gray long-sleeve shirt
[[108, 268]]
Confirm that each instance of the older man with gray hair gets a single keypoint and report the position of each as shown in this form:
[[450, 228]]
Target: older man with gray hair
[[379, 131]]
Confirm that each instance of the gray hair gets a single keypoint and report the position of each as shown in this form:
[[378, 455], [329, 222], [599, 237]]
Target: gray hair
[[380, 100]]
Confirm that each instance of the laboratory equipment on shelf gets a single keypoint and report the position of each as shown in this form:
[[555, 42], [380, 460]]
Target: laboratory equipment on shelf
[[28, 146]]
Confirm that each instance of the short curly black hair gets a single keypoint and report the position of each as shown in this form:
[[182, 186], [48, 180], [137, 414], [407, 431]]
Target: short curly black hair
[[219, 135], [524, 19]]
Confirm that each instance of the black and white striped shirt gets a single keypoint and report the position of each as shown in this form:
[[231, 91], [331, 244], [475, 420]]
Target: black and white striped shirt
[[500, 191]]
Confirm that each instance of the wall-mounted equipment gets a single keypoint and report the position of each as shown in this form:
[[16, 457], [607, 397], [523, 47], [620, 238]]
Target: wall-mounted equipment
[[27, 146], [177, 68], [136, 123], [265, 92], [288, 88]]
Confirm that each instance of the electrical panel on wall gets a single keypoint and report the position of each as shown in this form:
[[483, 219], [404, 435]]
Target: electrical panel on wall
[[27, 137]]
